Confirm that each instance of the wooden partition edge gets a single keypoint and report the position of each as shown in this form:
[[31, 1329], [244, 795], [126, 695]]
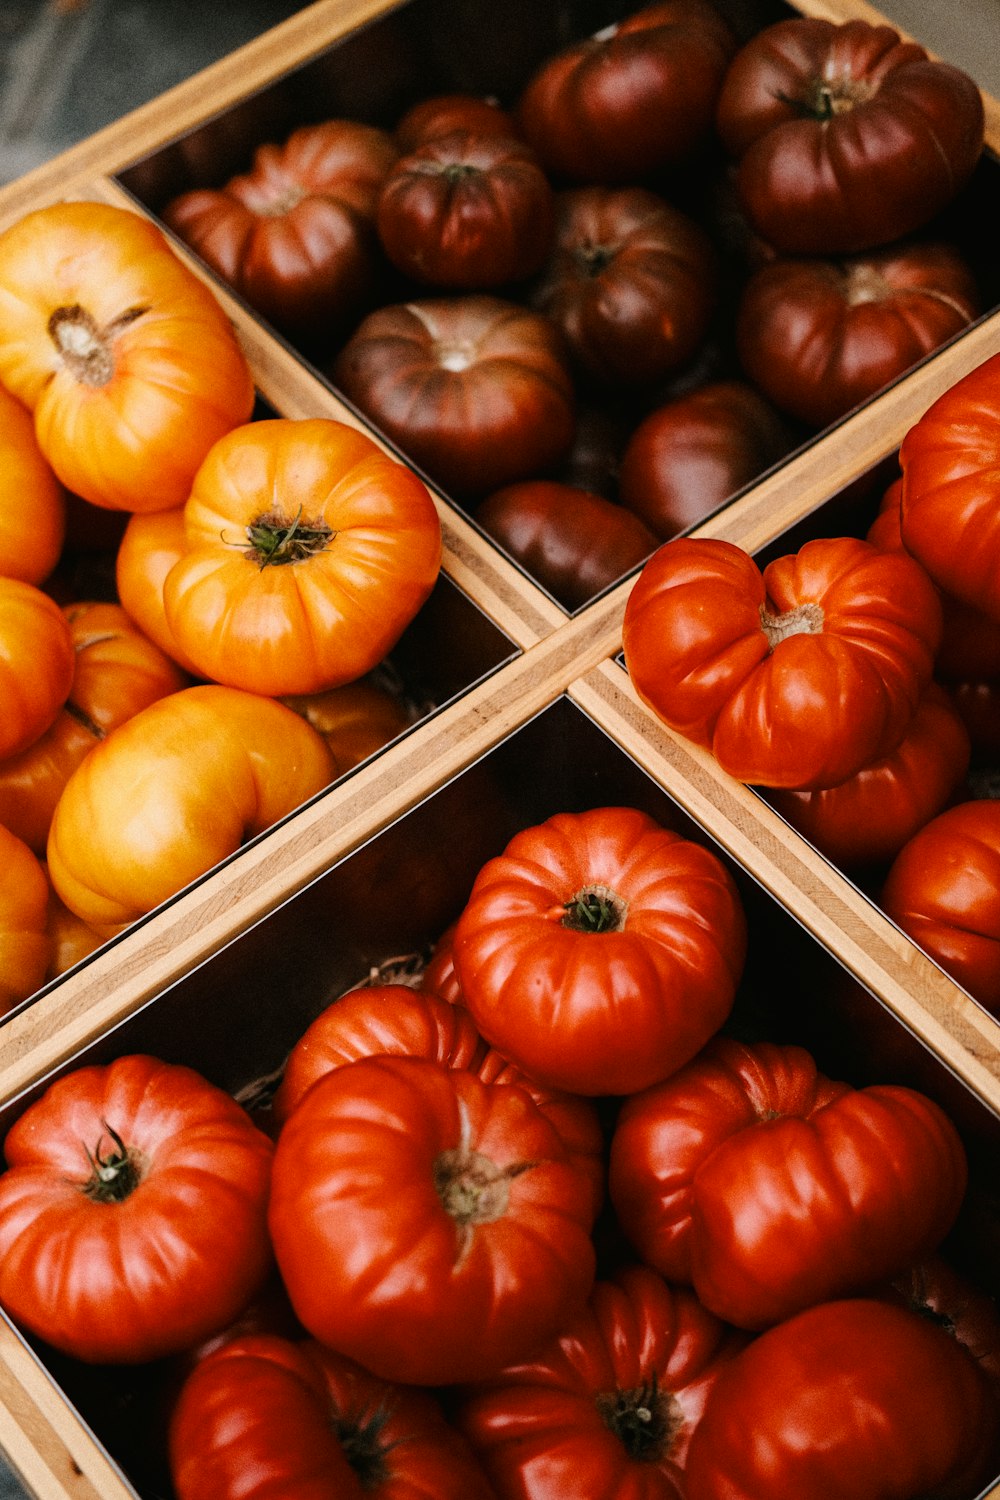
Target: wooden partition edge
[[870, 947]]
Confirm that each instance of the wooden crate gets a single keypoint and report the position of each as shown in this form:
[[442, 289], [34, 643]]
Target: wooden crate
[[547, 709]]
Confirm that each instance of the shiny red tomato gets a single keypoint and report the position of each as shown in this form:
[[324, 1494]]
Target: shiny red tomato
[[935, 1289], [846, 136], [700, 1180], [427, 1224], [635, 99], [821, 336], [851, 1400], [943, 890], [600, 950], [798, 676], [153, 1183], [265, 1416], [606, 1410], [440, 114]]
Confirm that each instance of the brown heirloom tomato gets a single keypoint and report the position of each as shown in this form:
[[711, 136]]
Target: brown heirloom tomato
[[796, 677], [36, 664], [630, 282], [467, 211], [474, 389], [440, 114], [821, 336], [632, 100], [32, 501], [767, 1187], [600, 950], [431, 1226], [153, 1182], [572, 542], [608, 1407], [688, 457], [265, 1416], [125, 357], [846, 136], [25, 944], [295, 235]]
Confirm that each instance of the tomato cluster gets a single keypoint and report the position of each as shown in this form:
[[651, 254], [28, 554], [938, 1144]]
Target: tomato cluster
[[155, 720], [634, 1250], [727, 244]]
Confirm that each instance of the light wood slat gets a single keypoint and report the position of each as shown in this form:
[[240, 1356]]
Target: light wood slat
[[162, 949], [957, 1029], [179, 109]]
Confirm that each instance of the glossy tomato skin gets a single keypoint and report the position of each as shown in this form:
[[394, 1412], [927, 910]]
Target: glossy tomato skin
[[467, 212], [165, 1253], [425, 1223], [441, 114], [25, 941], [307, 552], [631, 936], [690, 455], [849, 1400], [32, 501], [126, 359], [846, 136], [267, 1415], [631, 283], [606, 1410], [821, 336], [295, 235], [943, 890], [770, 1188], [36, 664], [707, 647], [574, 543], [867, 819], [475, 389], [637, 98]]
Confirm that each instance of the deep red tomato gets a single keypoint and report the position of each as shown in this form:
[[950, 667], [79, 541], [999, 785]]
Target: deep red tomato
[[572, 542], [440, 114], [701, 1182], [868, 818], [846, 136], [821, 336], [636, 98], [153, 1183], [943, 890], [606, 1410], [295, 235], [600, 950], [852, 1400], [265, 1416], [690, 455], [950, 503], [977, 704], [937, 1291], [631, 282], [428, 1224], [798, 676], [474, 389], [467, 211]]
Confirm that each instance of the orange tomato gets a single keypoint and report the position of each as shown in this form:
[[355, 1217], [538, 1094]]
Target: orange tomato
[[125, 357], [36, 664], [355, 720], [24, 941], [149, 547], [173, 791], [70, 939], [32, 501]]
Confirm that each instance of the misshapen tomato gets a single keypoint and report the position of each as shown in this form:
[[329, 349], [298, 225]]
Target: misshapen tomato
[[32, 501]]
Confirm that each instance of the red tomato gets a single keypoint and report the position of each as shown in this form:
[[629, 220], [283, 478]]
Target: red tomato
[[687, 457], [770, 1188], [868, 818], [25, 941], [846, 136], [440, 114], [32, 501], [474, 389], [439, 976], [265, 1416], [467, 211], [950, 515], [606, 1410], [153, 1185], [937, 1291], [820, 336], [636, 98], [631, 283], [36, 664], [850, 1400], [295, 235], [427, 1224], [798, 676], [572, 542], [943, 890], [600, 950]]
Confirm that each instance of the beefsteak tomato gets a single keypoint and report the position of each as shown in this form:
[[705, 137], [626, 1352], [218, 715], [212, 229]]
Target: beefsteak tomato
[[440, 114]]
